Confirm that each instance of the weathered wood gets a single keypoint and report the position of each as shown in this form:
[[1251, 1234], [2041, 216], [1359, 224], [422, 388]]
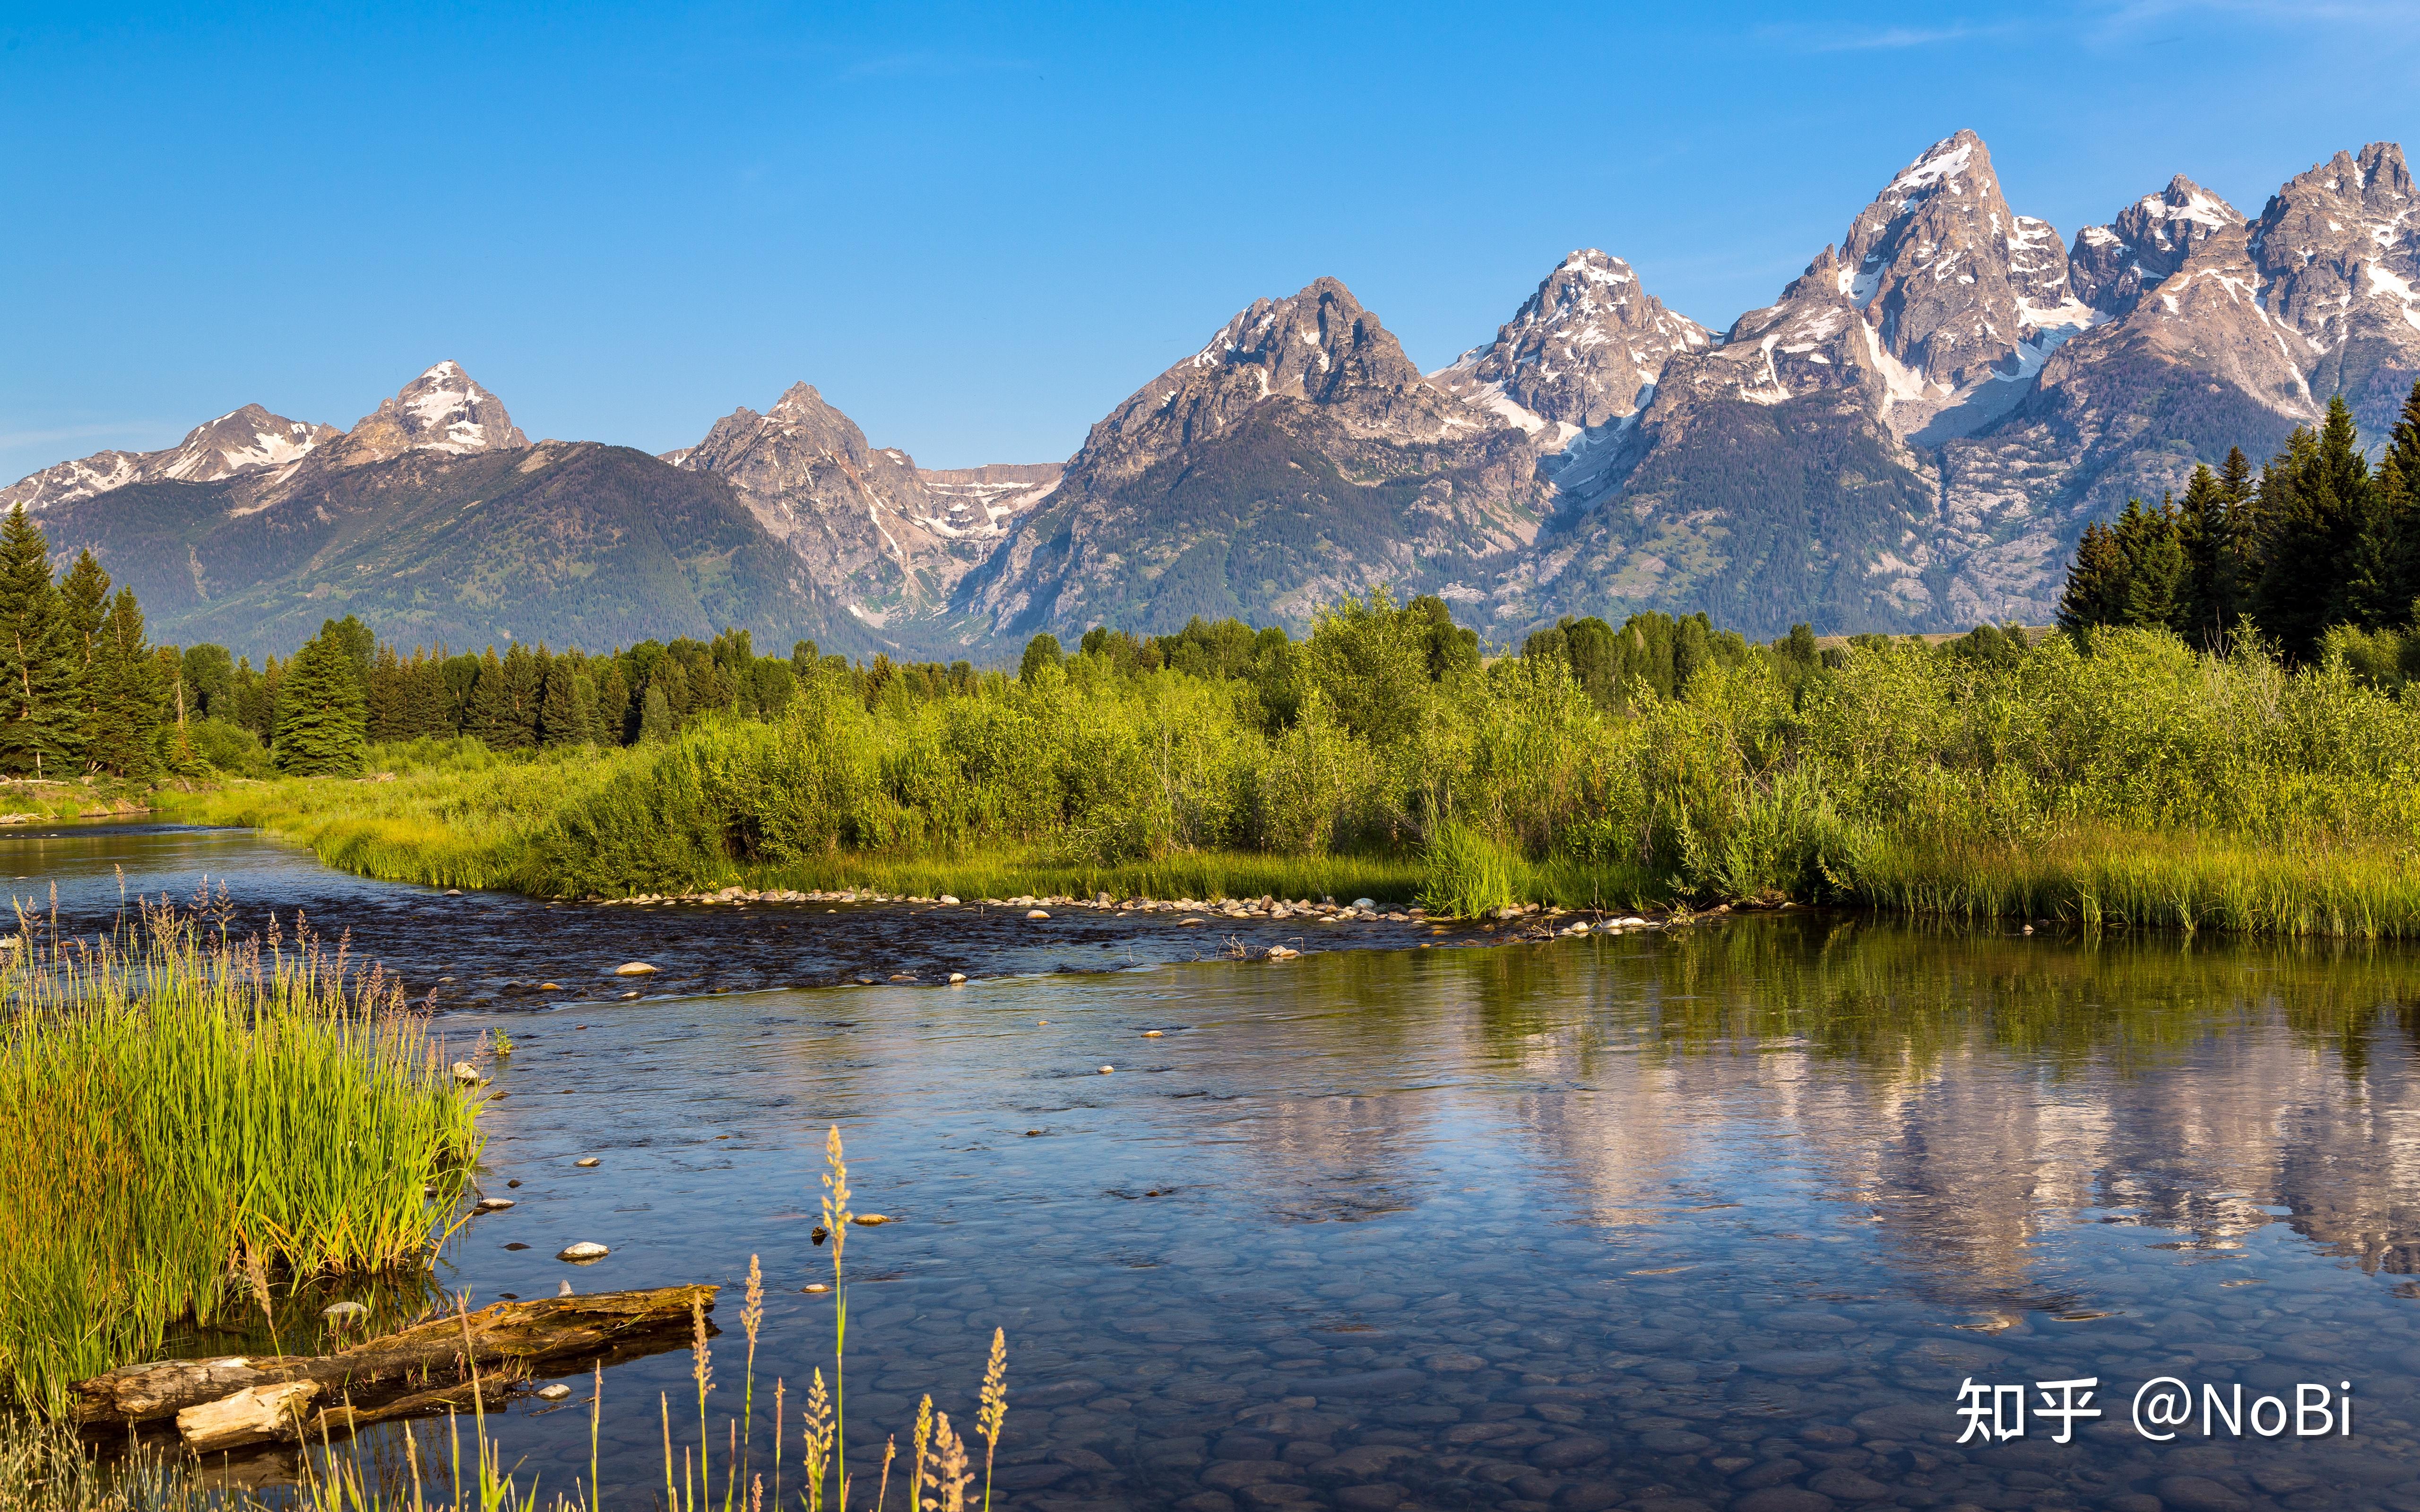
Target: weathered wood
[[523, 1333], [248, 1416], [347, 1417]]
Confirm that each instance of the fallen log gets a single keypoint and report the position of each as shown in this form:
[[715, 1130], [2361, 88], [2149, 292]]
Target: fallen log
[[248, 1416], [524, 1335], [488, 1388]]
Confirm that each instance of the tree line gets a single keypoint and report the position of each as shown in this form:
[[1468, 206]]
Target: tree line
[[2321, 541]]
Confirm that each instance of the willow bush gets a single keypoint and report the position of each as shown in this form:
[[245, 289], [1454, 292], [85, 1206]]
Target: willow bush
[[1972, 781]]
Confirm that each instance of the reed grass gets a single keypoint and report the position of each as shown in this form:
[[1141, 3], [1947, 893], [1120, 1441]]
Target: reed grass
[[178, 1108], [45, 1468]]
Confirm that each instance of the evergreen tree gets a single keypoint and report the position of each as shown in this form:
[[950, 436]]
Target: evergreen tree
[[83, 598], [40, 692], [392, 717], [2155, 565], [2385, 576], [2210, 594], [581, 727], [613, 725], [2314, 500], [491, 718], [2096, 591], [558, 722], [432, 703], [321, 713], [358, 642], [125, 692], [656, 722]]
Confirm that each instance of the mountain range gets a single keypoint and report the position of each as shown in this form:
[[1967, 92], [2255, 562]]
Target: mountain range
[[1911, 437]]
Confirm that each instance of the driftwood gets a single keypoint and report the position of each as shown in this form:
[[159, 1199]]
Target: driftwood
[[515, 1337], [249, 1416]]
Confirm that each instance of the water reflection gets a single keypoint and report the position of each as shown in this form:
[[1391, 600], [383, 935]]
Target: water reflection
[[1710, 1219]]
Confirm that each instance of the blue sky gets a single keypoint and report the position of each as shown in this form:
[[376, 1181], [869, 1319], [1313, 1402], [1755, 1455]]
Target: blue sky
[[976, 229]]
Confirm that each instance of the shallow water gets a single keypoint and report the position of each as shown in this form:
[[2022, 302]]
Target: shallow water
[[1717, 1219]]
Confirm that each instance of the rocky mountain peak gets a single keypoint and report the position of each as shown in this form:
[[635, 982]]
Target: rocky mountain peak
[[244, 440], [1319, 347], [1586, 348], [1950, 276], [2111, 267], [440, 410], [1313, 346], [2337, 249], [862, 518]]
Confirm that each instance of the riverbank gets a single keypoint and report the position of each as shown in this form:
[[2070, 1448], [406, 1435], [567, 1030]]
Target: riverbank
[[2127, 783], [178, 1107]]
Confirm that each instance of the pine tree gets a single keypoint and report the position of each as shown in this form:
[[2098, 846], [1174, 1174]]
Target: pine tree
[[392, 717], [2397, 510], [2314, 497], [359, 645], [40, 691], [2096, 582], [321, 713], [84, 600], [2155, 565], [558, 722], [613, 725], [656, 722], [2208, 606], [491, 717], [125, 692]]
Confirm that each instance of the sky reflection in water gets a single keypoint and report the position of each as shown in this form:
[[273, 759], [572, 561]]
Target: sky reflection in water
[[1722, 1219]]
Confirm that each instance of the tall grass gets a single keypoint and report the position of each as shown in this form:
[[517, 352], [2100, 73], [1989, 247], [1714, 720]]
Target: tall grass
[[43, 1468], [178, 1109]]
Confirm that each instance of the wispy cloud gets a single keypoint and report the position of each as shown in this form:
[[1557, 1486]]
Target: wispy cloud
[[76, 433], [1807, 39], [2395, 18]]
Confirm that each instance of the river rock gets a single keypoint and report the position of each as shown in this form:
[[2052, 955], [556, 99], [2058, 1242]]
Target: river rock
[[1363, 1383], [584, 1251], [493, 1205], [2199, 1493], [947, 902], [466, 1073], [1674, 1442], [553, 1391], [342, 1312], [1848, 1485], [1573, 1452], [1796, 1363], [586, 1162], [1783, 1498], [1378, 1496], [634, 968], [1036, 912], [958, 978], [1364, 1460]]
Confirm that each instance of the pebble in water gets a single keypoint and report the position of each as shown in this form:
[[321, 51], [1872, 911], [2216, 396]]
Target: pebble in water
[[555, 1392], [585, 1161], [466, 1073], [492, 1204], [634, 968], [340, 1312], [584, 1251], [1035, 913]]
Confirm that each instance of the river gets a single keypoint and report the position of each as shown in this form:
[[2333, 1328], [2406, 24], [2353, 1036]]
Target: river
[[1726, 1217]]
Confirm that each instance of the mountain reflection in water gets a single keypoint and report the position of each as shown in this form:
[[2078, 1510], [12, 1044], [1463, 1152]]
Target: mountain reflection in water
[[1722, 1218]]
